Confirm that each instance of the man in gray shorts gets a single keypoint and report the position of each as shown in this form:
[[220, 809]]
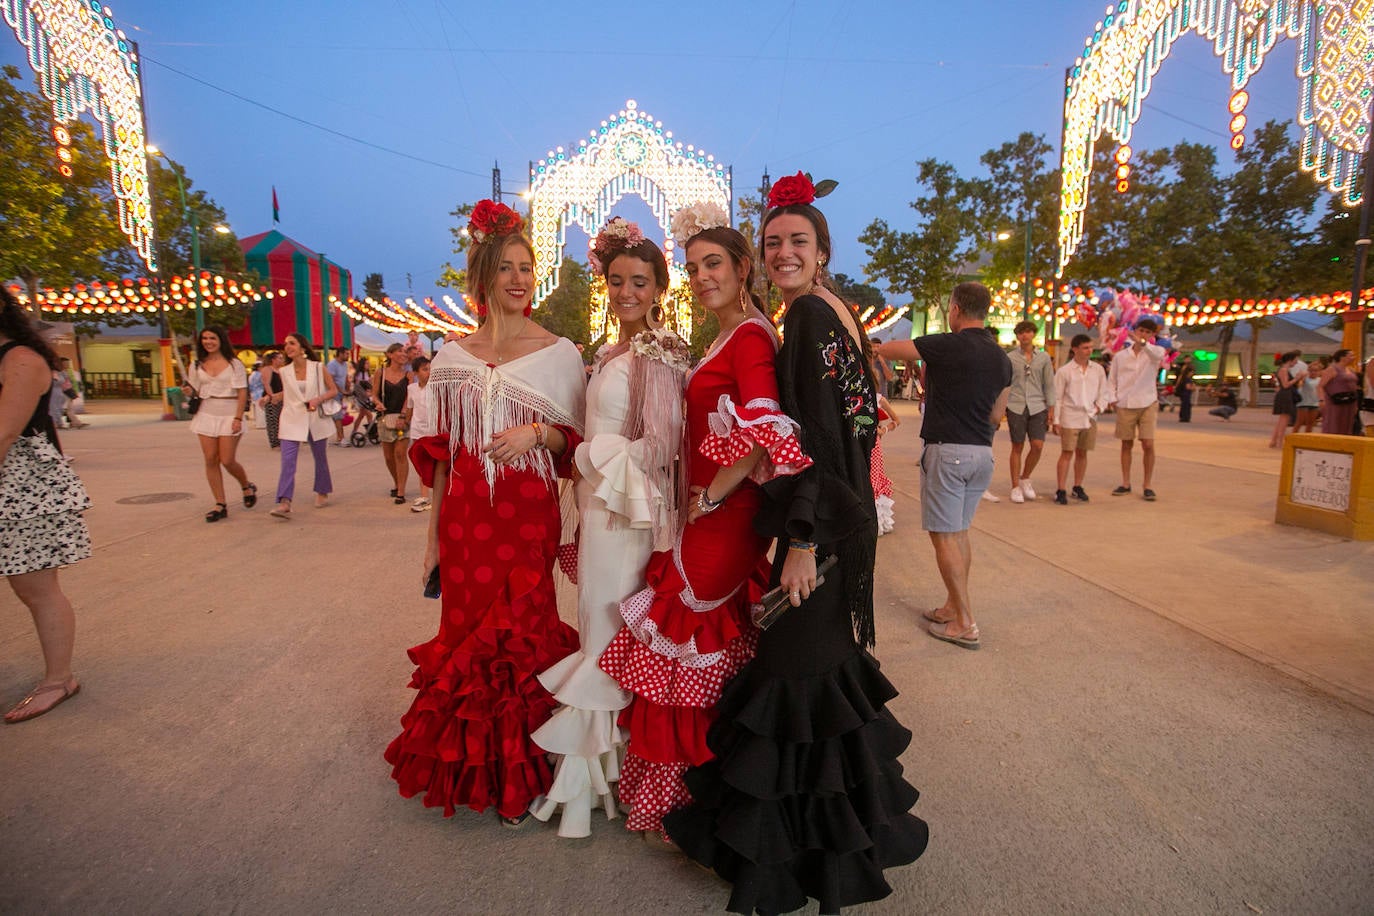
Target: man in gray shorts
[[967, 376], [1030, 408]]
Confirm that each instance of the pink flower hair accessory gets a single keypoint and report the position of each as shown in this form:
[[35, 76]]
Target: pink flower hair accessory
[[619, 234]]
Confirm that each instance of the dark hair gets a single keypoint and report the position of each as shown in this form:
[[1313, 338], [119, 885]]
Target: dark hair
[[1289, 356], [648, 252], [1079, 340], [226, 349], [741, 255], [823, 248], [1340, 355], [419, 363], [1025, 326], [1147, 324], [393, 348], [484, 261], [304, 344], [973, 300], [18, 327], [361, 365], [340, 353]]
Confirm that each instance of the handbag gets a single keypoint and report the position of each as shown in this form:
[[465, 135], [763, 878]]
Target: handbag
[[327, 409], [777, 602]]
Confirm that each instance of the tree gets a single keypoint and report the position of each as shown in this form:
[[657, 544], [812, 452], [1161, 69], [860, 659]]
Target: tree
[[450, 276], [926, 263], [53, 230], [374, 287], [851, 289], [1020, 187], [566, 311]]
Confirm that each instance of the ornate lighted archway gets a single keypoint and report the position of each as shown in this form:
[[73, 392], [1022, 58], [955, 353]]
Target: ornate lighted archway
[[630, 153], [84, 63], [1107, 84]]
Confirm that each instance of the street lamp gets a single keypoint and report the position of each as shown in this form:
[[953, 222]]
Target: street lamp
[[1003, 236]]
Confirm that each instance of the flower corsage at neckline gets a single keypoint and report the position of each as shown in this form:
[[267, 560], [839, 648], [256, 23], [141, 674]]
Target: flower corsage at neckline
[[492, 219], [619, 234], [798, 189], [663, 345], [696, 219]]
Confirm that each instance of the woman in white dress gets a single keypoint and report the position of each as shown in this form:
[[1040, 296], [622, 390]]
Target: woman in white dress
[[628, 509], [219, 379], [305, 385]]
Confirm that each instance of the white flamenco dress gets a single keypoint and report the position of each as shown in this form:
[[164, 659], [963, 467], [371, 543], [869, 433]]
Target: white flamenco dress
[[626, 508]]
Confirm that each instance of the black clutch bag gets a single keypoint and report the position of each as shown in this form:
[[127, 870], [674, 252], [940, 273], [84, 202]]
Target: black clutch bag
[[777, 602], [432, 584]]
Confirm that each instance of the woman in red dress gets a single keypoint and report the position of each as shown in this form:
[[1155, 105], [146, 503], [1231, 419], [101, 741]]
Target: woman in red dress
[[689, 631], [508, 404]]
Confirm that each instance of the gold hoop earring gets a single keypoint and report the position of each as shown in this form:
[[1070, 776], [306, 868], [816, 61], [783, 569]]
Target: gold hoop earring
[[656, 316], [743, 300]]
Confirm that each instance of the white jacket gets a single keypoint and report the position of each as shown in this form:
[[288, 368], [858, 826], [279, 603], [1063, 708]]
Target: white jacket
[[298, 424]]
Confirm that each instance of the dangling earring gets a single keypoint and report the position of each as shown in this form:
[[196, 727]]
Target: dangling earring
[[743, 300], [656, 316]]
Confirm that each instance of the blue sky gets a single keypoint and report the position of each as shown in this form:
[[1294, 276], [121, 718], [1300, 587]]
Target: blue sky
[[855, 91]]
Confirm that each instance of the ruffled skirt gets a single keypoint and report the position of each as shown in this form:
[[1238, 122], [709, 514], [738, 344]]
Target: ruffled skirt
[[465, 740], [806, 798], [685, 636]]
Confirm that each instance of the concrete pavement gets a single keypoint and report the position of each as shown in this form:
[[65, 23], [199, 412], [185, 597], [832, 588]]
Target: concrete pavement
[[1170, 714]]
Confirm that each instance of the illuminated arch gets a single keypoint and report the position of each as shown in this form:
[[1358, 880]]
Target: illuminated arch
[[85, 64], [1335, 68], [630, 153]]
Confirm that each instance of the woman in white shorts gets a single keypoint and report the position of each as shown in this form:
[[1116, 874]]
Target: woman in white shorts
[[221, 383]]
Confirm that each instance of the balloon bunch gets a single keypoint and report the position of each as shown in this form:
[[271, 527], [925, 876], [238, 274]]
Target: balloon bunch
[[1118, 316]]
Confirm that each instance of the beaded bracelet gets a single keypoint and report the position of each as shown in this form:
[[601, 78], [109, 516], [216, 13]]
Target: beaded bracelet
[[706, 504], [808, 546], [539, 435]]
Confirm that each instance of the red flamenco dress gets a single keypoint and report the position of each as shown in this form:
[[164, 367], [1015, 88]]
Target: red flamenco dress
[[689, 631], [466, 738]]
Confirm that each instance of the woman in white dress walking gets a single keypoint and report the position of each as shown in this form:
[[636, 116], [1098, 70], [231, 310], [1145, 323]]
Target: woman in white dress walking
[[628, 509], [221, 382]]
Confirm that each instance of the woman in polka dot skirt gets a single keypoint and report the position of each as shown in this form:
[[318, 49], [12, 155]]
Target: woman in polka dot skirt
[[507, 402], [689, 631]]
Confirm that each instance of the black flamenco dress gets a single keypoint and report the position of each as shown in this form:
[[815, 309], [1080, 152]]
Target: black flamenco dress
[[806, 796]]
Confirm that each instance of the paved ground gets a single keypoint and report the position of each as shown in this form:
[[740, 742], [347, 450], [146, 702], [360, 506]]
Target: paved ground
[[1170, 714]]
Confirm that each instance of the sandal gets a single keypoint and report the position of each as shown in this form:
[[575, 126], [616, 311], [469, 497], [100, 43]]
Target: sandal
[[250, 496], [283, 510], [23, 711], [933, 616], [400, 499], [214, 515], [516, 822], [966, 639]]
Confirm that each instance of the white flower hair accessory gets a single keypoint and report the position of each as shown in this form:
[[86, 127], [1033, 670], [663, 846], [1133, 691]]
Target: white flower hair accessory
[[693, 220], [617, 235]]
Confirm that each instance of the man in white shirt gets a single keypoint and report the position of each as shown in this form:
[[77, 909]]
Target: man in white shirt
[[1080, 391], [1132, 389]]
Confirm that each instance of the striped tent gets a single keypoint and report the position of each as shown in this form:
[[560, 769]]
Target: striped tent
[[309, 279]]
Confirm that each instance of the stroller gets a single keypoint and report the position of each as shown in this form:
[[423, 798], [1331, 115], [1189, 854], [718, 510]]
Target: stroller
[[366, 430]]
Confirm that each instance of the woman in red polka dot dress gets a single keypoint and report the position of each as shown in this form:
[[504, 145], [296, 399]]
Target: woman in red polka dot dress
[[508, 403], [689, 631]]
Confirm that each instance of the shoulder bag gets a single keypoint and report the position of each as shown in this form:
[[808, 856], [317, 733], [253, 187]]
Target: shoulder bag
[[327, 409]]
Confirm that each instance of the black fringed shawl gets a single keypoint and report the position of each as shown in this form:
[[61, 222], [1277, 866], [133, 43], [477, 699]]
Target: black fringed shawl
[[825, 386]]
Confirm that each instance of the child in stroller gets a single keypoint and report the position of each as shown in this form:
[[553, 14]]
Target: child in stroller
[[365, 426]]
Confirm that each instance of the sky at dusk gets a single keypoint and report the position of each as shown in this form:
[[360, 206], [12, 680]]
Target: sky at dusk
[[438, 91]]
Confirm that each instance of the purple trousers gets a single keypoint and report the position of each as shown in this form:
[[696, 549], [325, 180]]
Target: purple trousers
[[286, 484]]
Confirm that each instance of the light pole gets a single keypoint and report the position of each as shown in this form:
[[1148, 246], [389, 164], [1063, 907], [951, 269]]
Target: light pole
[[1026, 284]]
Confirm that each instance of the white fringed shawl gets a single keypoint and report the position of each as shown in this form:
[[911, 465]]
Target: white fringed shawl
[[469, 400]]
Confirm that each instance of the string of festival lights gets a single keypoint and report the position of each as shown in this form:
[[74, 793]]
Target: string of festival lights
[[140, 296]]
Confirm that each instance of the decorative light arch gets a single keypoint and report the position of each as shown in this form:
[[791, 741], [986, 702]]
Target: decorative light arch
[[1335, 67], [630, 153], [85, 64]]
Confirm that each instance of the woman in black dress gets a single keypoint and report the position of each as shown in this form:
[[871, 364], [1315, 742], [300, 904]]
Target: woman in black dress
[[806, 797]]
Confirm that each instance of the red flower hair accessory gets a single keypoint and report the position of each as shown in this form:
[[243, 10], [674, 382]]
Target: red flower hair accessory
[[492, 219], [798, 189]]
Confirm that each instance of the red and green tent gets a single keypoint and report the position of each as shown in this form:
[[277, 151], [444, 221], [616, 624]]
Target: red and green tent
[[309, 279]]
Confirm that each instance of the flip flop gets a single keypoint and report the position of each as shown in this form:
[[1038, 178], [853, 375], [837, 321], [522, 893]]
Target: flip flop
[[69, 688], [931, 616], [967, 639]]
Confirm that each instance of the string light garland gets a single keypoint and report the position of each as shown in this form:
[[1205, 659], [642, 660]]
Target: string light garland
[[137, 296], [1179, 311], [1109, 81], [85, 64], [630, 153]]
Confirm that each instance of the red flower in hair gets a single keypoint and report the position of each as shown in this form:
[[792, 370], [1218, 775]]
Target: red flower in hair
[[490, 218], [794, 189]]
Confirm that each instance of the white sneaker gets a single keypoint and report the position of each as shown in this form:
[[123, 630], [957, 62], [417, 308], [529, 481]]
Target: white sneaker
[[420, 505], [1016, 496], [1027, 490], [988, 497]]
